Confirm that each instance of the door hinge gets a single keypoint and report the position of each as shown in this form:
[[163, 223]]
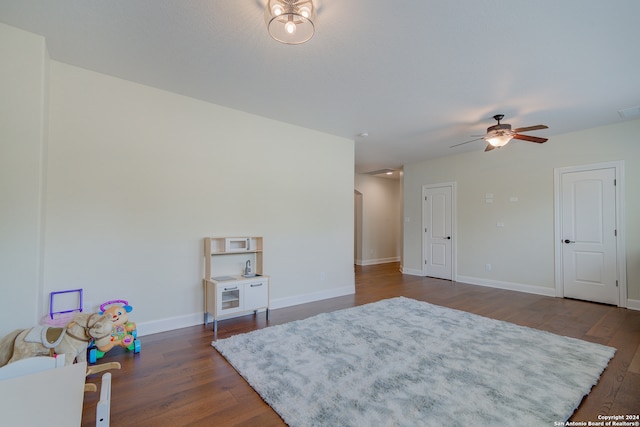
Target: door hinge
[[614, 182], [616, 283], [425, 229], [425, 262], [615, 233]]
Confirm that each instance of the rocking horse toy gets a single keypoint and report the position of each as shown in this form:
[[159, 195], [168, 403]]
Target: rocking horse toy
[[71, 340], [123, 333]]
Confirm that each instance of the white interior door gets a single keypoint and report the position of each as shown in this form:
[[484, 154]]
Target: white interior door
[[437, 225], [588, 235]]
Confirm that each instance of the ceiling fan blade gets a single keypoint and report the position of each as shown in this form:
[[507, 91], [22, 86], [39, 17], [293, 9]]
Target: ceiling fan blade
[[530, 138], [489, 148], [529, 128], [466, 142]]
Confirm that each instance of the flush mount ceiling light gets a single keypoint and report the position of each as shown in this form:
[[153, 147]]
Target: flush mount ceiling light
[[290, 21]]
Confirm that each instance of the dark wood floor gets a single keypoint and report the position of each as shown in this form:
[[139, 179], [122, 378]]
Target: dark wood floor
[[178, 379]]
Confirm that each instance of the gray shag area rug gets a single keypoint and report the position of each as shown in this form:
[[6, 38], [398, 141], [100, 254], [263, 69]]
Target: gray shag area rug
[[402, 362]]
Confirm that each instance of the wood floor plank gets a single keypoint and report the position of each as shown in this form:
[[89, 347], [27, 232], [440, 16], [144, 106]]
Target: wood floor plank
[[628, 398], [634, 366], [607, 326], [178, 379]]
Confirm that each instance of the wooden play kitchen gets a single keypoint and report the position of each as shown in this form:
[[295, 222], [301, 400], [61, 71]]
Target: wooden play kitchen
[[234, 283]]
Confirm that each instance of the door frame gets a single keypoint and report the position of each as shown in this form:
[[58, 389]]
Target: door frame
[[454, 228], [621, 256]]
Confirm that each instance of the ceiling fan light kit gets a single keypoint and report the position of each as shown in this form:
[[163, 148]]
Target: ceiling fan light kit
[[290, 21], [499, 135]]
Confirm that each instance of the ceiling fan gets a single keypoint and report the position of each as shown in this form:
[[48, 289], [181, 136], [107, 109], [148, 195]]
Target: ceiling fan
[[499, 135]]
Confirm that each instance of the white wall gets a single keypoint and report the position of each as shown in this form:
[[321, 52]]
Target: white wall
[[23, 85], [381, 216], [521, 253], [136, 177]]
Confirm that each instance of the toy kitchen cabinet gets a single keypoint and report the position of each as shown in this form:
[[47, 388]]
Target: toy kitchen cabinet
[[234, 283]]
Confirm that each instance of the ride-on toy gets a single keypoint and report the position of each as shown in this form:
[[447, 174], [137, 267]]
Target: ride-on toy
[[124, 333]]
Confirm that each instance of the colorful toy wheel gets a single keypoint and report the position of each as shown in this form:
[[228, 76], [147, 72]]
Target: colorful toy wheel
[[136, 346]]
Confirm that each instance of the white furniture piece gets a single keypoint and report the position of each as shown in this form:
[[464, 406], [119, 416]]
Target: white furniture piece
[[103, 409], [49, 397], [31, 365], [228, 292]]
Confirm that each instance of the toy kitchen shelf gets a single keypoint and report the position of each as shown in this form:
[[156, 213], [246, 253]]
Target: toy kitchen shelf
[[227, 291]]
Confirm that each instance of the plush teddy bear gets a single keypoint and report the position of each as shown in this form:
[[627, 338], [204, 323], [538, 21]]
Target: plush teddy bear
[[124, 331]]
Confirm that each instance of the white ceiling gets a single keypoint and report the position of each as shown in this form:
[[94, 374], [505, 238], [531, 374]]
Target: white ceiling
[[417, 76]]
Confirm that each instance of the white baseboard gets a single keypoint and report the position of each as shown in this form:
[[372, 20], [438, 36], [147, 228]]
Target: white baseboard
[[169, 324], [314, 296], [633, 304], [537, 290], [510, 286], [376, 261]]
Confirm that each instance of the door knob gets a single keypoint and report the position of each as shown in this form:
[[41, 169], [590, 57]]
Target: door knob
[[448, 237], [569, 241]]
